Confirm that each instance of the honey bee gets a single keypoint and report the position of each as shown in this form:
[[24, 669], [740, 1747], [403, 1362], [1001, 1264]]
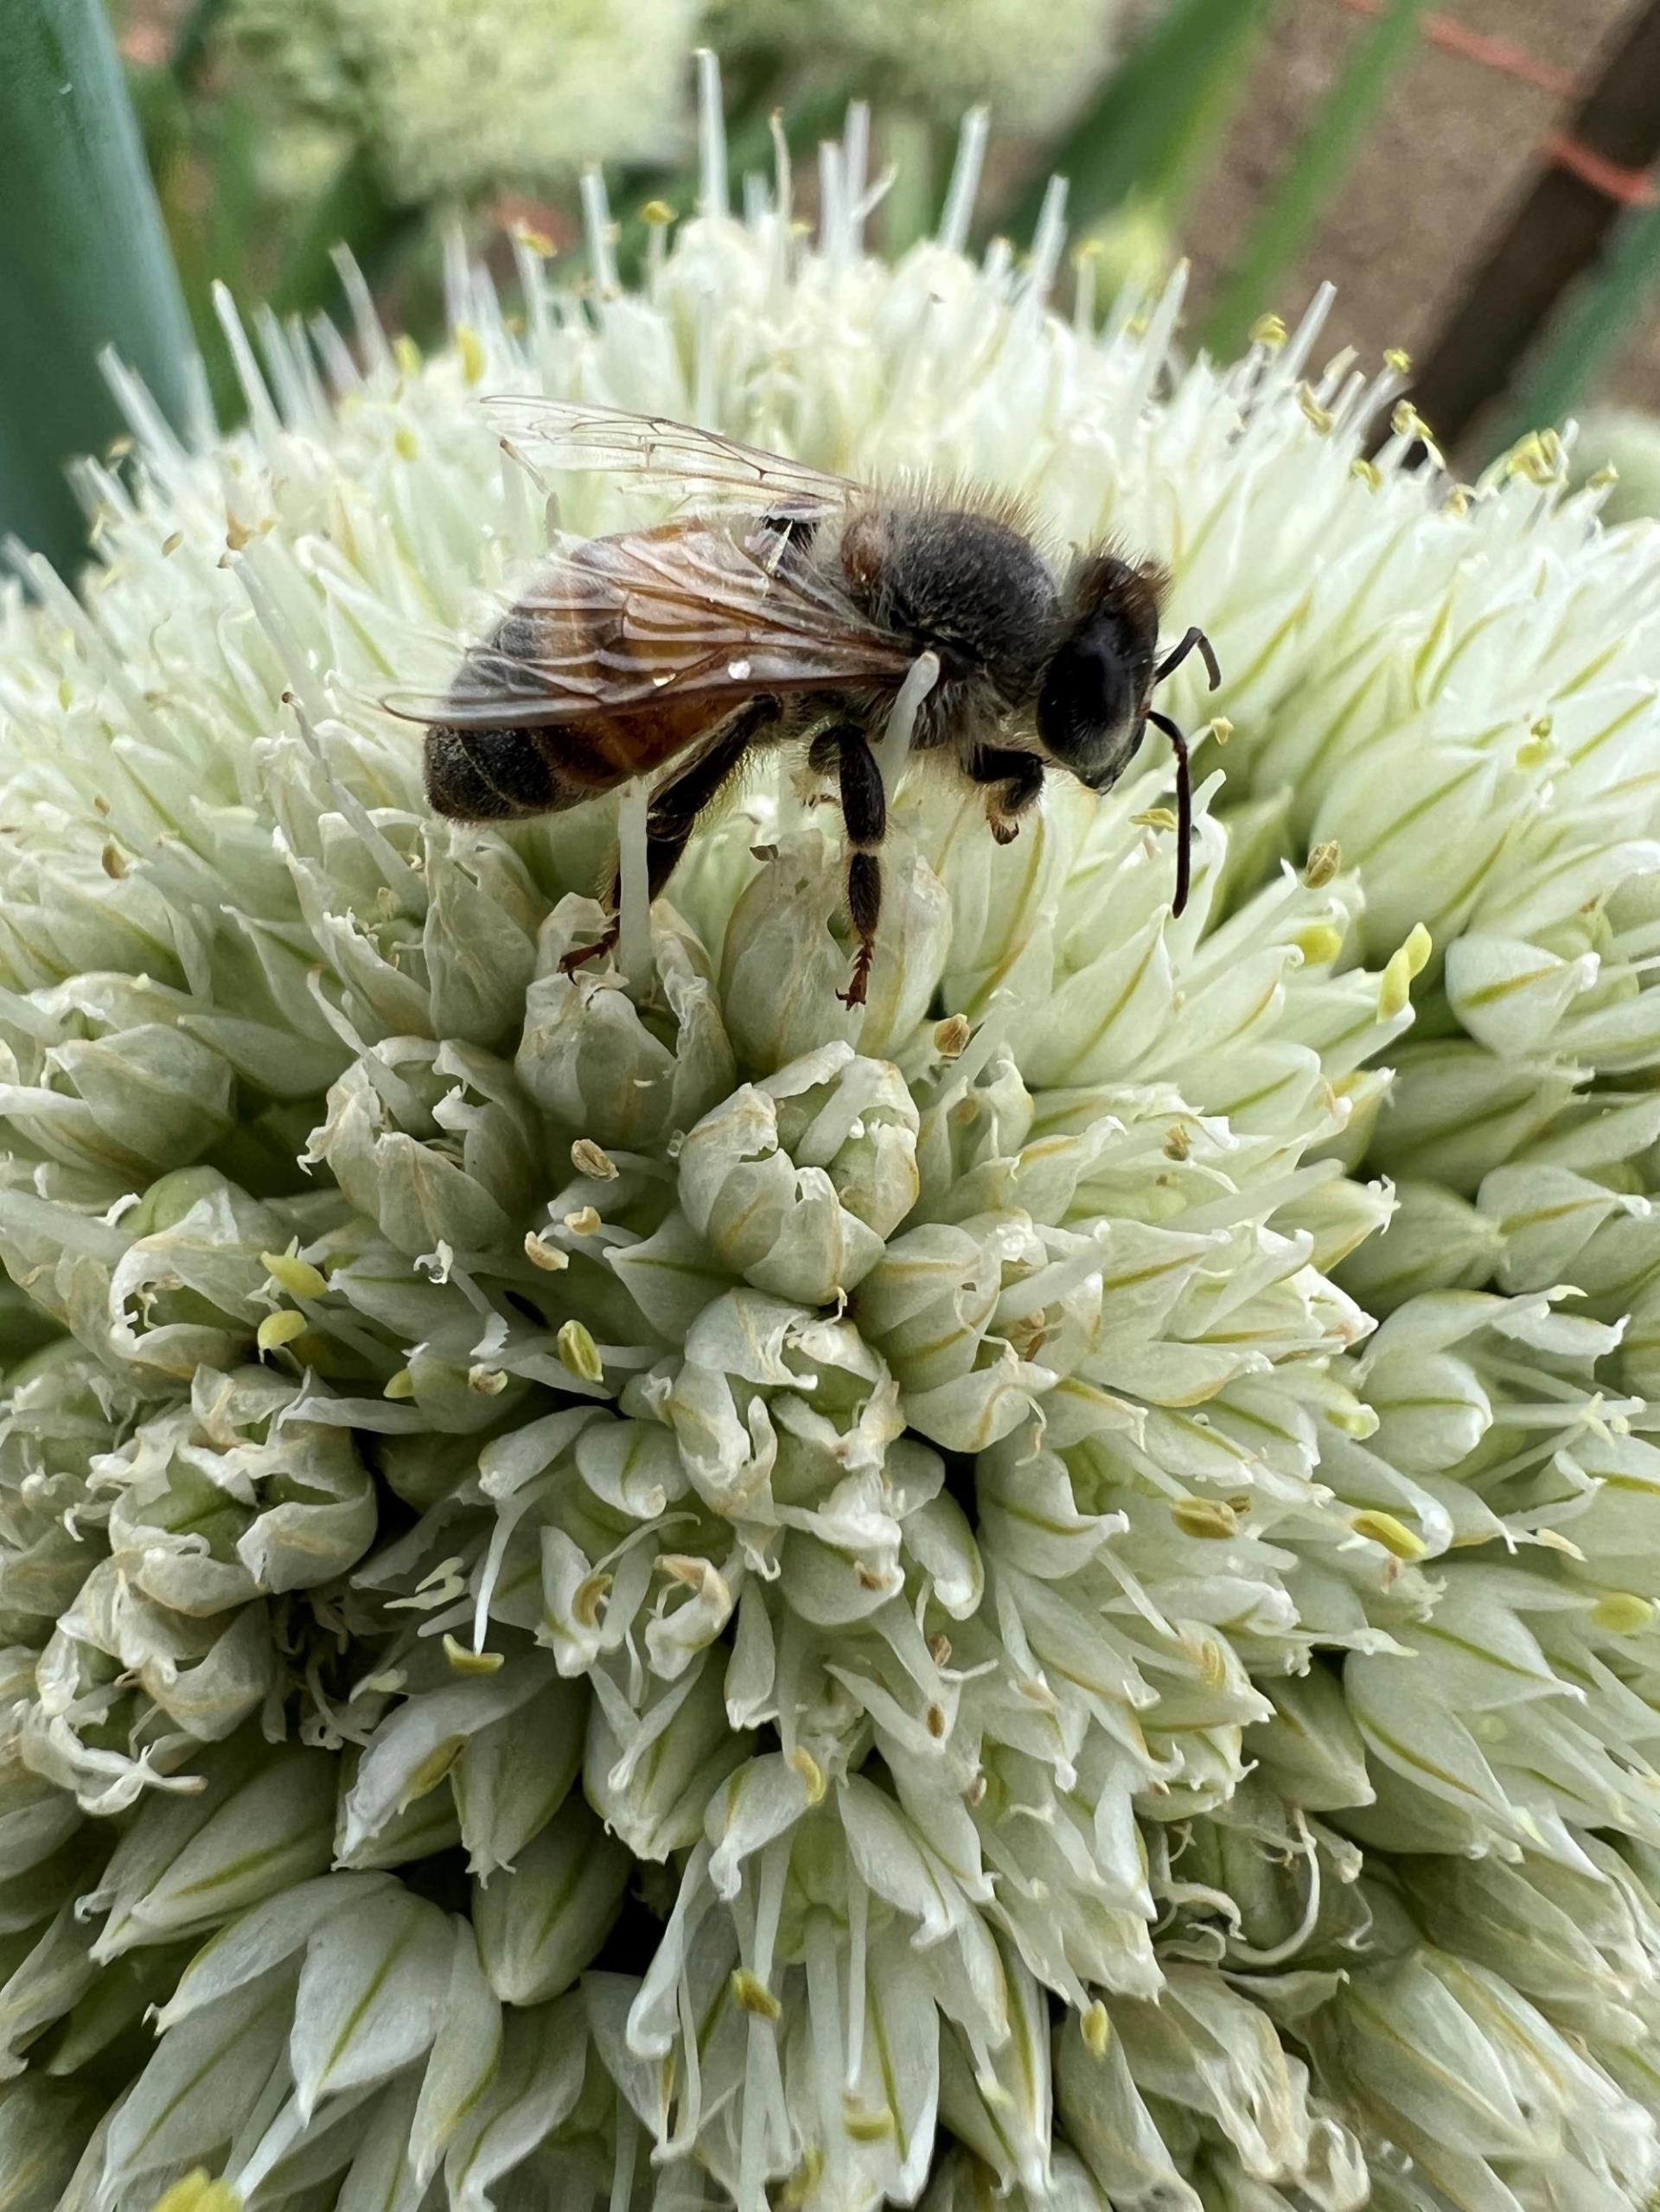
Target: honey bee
[[791, 605]]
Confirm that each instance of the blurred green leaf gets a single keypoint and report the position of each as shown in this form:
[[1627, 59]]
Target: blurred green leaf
[[356, 211], [192, 46], [87, 265], [1587, 334], [1153, 130], [235, 208], [910, 147], [1282, 227], [182, 137]]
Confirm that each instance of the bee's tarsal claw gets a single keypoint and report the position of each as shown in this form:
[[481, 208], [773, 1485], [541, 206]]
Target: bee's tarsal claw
[[580, 955], [854, 994]]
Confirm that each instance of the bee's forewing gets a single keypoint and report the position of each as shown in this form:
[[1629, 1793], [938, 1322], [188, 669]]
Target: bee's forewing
[[696, 463], [692, 610]]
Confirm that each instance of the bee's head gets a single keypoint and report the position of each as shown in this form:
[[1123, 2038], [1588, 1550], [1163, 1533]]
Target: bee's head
[[1092, 708]]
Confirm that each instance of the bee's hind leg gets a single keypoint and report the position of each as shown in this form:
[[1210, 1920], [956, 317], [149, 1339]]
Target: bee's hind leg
[[865, 817], [678, 807], [579, 955]]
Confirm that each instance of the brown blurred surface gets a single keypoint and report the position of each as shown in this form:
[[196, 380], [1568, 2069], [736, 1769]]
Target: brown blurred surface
[[1447, 157]]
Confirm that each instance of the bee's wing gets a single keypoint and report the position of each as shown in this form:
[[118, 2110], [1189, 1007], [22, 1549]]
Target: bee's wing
[[700, 464], [693, 610]]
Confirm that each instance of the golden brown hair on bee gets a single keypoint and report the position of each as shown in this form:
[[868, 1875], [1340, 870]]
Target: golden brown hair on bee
[[1135, 589]]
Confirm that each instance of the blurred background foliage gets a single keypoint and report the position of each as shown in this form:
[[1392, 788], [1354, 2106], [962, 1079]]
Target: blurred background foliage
[[1263, 140], [280, 129]]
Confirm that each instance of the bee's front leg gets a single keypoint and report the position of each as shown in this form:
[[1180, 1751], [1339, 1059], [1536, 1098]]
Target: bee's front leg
[[1014, 783], [865, 817]]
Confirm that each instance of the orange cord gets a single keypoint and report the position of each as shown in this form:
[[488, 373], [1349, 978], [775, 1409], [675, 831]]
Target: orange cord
[[1632, 187], [1500, 54]]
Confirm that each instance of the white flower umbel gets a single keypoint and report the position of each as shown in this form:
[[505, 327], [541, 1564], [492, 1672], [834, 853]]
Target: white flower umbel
[[649, 1592], [1033, 66], [460, 100]]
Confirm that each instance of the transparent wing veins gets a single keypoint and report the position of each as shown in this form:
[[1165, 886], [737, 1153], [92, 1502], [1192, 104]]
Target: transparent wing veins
[[694, 611], [704, 464]]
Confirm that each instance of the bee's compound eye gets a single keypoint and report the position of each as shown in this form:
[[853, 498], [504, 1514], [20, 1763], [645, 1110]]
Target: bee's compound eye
[[1087, 708]]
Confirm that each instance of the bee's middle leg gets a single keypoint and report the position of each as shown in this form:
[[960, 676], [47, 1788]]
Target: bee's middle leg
[[865, 818], [1014, 783]]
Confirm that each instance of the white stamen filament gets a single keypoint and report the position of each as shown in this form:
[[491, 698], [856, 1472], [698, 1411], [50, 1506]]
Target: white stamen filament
[[263, 418], [1049, 241], [401, 878], [597, 229], [691, 2059], [711, 137], [774, 1871], [367, 328], [858, 1929], [752, 2188], [627, 2133], [832, 201], [781, 179], [508, 1514], [824, 2015], [855, 162], [1258, 1204], [965, 179], [1049, 1284], [1277, 1954], [265, 2136], [893, 747], [633, 898], [303, 681]]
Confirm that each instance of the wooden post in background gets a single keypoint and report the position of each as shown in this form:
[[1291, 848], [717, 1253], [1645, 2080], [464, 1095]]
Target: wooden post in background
[[1590, 174]]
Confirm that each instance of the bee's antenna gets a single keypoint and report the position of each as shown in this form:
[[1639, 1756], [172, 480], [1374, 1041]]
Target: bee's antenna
[[1196, 640], [1183, 805]]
